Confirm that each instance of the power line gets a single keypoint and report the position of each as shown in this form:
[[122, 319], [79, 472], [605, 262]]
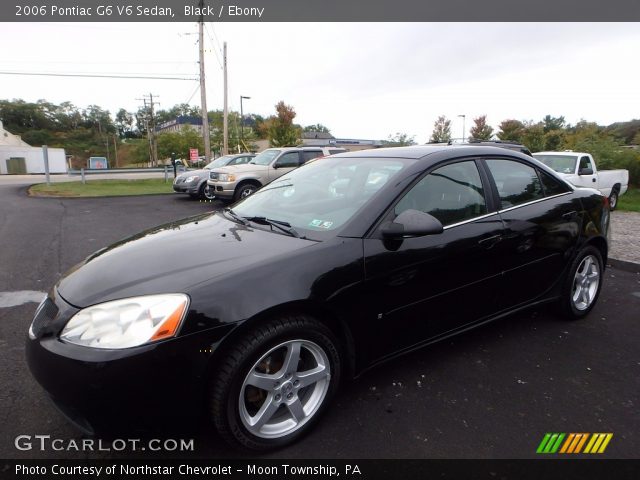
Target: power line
[[83, 75], [194, 93], [213, 47], [100, 63], [216, 37]]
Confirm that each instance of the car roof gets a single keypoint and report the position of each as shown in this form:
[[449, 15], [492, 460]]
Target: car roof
[[414, 151], [420, 151]]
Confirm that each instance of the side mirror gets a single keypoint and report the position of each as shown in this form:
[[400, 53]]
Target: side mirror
[[284, 165], [412, 223], [585, 171]]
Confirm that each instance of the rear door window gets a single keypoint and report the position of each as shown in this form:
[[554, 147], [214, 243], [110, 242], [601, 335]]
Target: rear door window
[[552, 186], [288, 160], [517, 183], [310, 155]]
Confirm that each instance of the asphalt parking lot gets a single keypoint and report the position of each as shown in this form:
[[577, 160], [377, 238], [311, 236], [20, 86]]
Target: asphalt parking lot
[[490, 393]]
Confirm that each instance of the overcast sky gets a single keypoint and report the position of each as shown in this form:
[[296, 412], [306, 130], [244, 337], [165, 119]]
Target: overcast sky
[[362, 80]]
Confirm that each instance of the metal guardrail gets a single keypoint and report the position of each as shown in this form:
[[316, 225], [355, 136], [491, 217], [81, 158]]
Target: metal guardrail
[[123, 170], [168, 171]]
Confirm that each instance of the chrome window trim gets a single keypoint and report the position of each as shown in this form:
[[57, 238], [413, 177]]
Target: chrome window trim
[[486, 215], [533, 201]]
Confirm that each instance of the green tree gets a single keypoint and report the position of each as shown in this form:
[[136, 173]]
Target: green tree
[[124, 123], [399, 140], [179, 143], [533, 136], [552, 123], [511, 130], [441, 130], [480, 129], [95, 116], [180, 110], [318, 127], [282, 131]]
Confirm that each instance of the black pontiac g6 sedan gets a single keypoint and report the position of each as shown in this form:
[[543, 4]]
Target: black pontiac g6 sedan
[[335, 267]]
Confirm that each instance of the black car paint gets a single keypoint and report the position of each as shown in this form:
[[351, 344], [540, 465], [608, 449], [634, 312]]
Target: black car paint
[[381, 299]]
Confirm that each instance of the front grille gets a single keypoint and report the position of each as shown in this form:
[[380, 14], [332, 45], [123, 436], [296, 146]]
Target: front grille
[[178, 180], [44, 315], [213, 175]]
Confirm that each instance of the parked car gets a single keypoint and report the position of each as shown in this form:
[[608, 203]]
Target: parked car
[[236, 182], [579, 168], [334, 268], [194, 182]]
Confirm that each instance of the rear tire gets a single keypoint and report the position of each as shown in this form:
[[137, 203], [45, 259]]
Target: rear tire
[[273, 384], [613, 200], [583, 284]]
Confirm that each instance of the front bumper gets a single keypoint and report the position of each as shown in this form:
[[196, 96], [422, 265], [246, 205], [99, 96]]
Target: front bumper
[[103, 390], [224, 190], [190, 188]]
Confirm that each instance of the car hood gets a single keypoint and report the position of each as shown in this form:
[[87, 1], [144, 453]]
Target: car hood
[[204, 172], [242, 168], [172, 258]]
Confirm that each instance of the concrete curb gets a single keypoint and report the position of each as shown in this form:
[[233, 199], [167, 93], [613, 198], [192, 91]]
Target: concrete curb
[[624, 265]]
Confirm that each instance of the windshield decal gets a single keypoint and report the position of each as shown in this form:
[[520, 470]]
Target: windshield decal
[[320, 223]]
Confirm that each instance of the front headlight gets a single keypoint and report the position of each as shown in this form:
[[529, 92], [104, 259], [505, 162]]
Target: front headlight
[[226, 177], [128, 322], [191, 179]]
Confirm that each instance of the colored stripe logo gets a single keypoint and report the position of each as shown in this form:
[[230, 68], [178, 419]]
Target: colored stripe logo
[[574, 443]]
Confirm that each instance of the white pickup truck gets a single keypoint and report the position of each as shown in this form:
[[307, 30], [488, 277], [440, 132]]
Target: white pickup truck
[[580, 169]]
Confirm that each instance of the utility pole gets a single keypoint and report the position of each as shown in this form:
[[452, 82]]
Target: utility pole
[[115, 150], [463, 127], [225, 117], [154, 143], [203, 91], [242, 97], [150, 125]]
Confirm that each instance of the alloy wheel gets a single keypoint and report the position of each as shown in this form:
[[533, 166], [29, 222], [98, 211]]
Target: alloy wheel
[[585, 283], [284, 389]]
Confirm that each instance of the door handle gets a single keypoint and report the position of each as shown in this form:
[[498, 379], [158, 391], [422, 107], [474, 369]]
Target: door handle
[[489, 241], [569, 215]]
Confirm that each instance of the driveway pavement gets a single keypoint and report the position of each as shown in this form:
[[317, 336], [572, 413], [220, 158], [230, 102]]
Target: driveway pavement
[[625, 237], [490, 393]]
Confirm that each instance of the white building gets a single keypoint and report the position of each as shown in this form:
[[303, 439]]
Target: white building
[[17, 156]]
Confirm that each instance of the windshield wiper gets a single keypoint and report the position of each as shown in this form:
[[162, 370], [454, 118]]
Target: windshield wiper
[[235, 216], [279, 224]]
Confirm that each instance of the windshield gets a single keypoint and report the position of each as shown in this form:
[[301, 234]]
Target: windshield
[[264, 158], [560, 163], [321, 196], [219, 162]]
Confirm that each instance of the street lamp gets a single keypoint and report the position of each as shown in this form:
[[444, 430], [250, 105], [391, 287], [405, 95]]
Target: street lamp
[[242, 119], [463, 129]]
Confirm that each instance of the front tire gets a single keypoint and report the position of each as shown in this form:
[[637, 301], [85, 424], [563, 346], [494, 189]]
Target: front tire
[[583, 284], [207, 192], [613, 201], [244, 191], [275, 382]]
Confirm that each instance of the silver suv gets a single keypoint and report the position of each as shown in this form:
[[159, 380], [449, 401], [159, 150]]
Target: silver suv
[[239, 181]]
